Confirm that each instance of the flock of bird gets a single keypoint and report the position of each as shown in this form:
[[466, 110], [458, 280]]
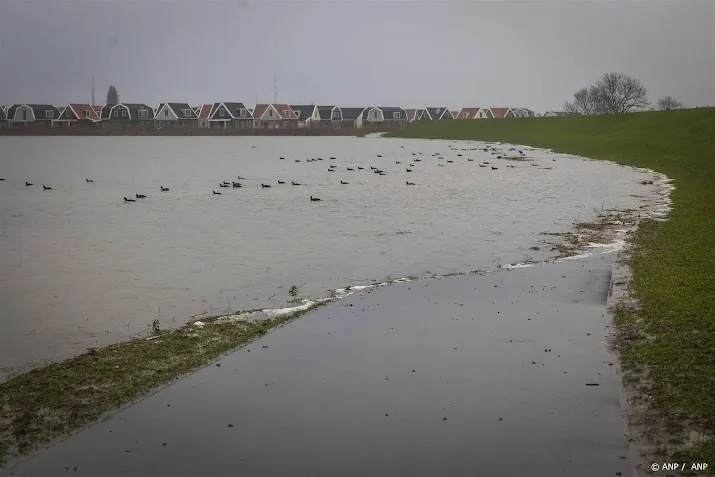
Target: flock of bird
[[518, 155]]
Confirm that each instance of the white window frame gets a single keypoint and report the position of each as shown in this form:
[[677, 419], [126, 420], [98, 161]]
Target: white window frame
[[242, 112], [465, 115], [166, 112], [297, 114], [396, 115], [287, 113], [143, 113], [270, 112], [124, 113], [221, 112], [116, 113], [87, 114], [49, 114]]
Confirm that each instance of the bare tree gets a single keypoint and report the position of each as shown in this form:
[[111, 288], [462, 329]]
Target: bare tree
[[571, 109], [667, 103], [112, 95], [617, 93]]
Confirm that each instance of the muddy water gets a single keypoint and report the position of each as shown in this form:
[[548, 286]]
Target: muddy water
[[504, 374], [81, 268]]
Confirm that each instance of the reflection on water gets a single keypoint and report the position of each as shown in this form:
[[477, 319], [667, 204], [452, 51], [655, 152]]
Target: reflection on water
[[81, 268]]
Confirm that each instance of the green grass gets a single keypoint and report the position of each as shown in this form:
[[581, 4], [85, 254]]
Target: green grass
[[667, 345], [46, 403]]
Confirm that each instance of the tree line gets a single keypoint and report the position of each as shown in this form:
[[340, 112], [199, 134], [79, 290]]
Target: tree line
[[616, 93]]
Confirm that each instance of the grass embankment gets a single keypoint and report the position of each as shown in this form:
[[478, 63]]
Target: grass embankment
[[667, 345], [46, 403]]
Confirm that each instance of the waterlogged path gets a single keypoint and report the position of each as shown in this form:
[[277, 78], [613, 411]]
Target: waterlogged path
[[504, 374]]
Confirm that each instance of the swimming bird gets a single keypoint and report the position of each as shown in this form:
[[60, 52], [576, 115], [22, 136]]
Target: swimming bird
[[344, 183], [470, 160], [44, 187], [264, 185], [382, 173], [441, 165], [414, 154], [129, 200], [241, 178], [459, 155], [314, 199], [253, 147], [281, 182], [408, 170], [360, 168], [332, 158], [485, 162], [2, 179], [89, 180], [320, 158], [297, 160], [398, 162], [28, 184], [164, 189], [418, 160], [373, 168], [350, 168], [223, 185], [450, 161], [482, 165], [216, 193], [225, 182], [282, 158], [409, 183], [294, 183], [236, 185], [494, 168], [379, 155], [333, 166], [140, 196], [330, 169], [412, 165]]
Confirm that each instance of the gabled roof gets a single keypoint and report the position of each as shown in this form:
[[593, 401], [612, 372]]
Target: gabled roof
[[421, 114], [284, 111], [471, 113], [388, 113], [233, 109], [325, 112], [303, 112], [181, 110], [78, 110], [3, 117], [411, 114], [500, 113], [454, 114], [438, 113], [351, 114], [205, 111], [10, 111]]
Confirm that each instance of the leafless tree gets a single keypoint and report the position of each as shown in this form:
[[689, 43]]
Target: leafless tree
[[617, 93], [667, 103], [584, 102]]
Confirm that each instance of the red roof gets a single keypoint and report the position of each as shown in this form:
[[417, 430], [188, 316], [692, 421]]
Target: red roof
[[499, 113], [470, 112], [205, 111], [411, 114], [85, 111], [454, 114], [284, 111]]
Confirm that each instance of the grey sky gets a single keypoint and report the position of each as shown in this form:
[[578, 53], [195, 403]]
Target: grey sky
[[410, 53]]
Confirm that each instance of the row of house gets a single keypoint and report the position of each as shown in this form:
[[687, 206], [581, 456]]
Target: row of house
[[237, 115]]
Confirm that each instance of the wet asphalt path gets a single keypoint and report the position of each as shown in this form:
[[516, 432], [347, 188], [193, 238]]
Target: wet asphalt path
[[502, 374]]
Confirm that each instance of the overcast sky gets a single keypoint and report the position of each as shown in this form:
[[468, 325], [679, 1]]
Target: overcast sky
[[526, 53]]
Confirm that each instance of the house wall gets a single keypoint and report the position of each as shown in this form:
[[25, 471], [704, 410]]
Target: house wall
[[119, 116], [29, 114], [162, 114], [481, 114], [375, 116]]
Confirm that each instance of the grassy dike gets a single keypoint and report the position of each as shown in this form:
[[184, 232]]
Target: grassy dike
[[667, 344], [41, 405]]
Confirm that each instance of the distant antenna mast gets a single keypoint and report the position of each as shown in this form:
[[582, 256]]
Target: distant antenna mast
[[275, 89], [92, 90]]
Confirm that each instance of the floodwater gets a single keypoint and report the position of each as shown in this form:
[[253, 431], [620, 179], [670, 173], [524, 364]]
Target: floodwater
[[81, 268], [503, 374]]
